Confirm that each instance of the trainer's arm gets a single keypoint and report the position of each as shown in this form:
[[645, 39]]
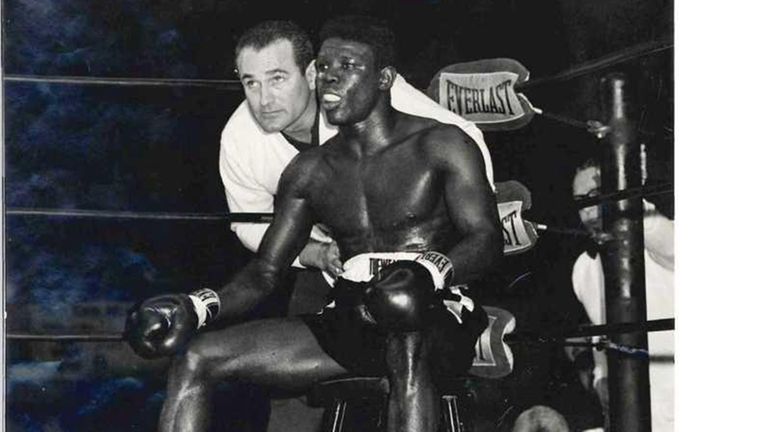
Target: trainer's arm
[[244, 193], [283, 241], [471, 206]]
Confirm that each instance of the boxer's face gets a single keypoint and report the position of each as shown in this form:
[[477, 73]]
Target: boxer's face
[[347, 80], [277, 91], [587, 183]]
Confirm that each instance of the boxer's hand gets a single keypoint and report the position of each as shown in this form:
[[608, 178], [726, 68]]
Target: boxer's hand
[[324, 256], [399, 298], [161, 326]]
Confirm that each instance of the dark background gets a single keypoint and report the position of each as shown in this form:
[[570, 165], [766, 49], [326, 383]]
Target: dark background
[[156, 149]]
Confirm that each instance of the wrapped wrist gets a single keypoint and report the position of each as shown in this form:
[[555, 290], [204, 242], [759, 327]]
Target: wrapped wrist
[[439, 266], [206, 304]]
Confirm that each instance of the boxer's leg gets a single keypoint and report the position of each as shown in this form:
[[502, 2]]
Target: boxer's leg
[[278, 352], [413, 403]]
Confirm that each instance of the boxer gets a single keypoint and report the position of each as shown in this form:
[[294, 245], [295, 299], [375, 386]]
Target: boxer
[[414, 218]]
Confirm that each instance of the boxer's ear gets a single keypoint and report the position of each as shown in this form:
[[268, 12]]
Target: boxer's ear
[[310, 73], [387, 77]]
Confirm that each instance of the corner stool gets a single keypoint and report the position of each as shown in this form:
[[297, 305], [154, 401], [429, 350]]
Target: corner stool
[[341, 397]]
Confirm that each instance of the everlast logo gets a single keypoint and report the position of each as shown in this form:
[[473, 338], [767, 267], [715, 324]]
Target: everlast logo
[[515, 237], [469, 100], [484, 355], [481, 97], [510, 238], [377, 264]]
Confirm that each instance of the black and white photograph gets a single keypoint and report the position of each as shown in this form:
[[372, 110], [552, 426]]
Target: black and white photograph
[[337, 215]]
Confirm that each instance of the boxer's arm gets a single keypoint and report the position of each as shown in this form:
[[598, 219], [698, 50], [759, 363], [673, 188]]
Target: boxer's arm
[[245, 193], [283, 241], [471, 205]]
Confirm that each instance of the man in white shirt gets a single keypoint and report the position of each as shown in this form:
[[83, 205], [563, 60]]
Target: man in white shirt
[[280, 118], [588, 283]]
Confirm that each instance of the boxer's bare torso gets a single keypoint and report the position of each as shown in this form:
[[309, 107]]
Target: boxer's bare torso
[[389, 200]]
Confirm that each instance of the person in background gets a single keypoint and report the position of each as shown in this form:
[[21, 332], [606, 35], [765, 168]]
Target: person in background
[[588, 284]]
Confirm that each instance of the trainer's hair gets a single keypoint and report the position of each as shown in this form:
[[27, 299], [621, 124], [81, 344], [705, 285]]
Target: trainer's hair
[[267, 32], [366, 30]]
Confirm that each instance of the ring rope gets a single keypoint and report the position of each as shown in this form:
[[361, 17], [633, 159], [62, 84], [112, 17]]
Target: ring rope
[[636, 192], [629, 193], [657, 325], [569, 121], [106, 337], [630, 53], [626, 54], [598, 330], [549, 337], [112, 214], [217, 217], [606, 344], [128, 81], [591, 126]]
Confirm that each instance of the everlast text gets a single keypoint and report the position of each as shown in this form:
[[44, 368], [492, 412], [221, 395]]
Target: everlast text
[[495, 99]]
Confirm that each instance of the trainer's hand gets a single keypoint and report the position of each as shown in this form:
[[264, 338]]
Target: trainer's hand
[[323, 256], [161, 326]]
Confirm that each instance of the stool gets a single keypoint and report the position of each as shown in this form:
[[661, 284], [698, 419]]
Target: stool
[[337, 395]]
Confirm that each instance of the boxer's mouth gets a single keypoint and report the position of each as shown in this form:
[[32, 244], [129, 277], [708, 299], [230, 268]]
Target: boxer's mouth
[[330, 100]]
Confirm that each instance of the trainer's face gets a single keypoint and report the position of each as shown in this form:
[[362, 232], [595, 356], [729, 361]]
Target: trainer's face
[[278, 92], [587, 183], [347, 80]]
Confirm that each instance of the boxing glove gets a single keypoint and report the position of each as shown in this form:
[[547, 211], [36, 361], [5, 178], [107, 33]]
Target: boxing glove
[[402, 294], [162, 326]]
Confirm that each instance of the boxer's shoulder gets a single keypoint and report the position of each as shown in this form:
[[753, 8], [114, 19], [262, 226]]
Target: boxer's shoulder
[[415, 125], [427, 131], [442, 132], [306, 169], [445, 142]]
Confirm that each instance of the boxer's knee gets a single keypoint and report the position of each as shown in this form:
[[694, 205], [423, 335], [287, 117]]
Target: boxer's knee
[[198, 362], [407, 353]]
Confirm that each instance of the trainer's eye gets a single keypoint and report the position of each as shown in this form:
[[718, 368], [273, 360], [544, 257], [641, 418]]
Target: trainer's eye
[[348, 65], [250, 83], [322, 67]]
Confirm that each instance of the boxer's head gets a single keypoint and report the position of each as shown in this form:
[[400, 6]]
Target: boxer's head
[[586, 184], [355, 68], [273, 62]]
